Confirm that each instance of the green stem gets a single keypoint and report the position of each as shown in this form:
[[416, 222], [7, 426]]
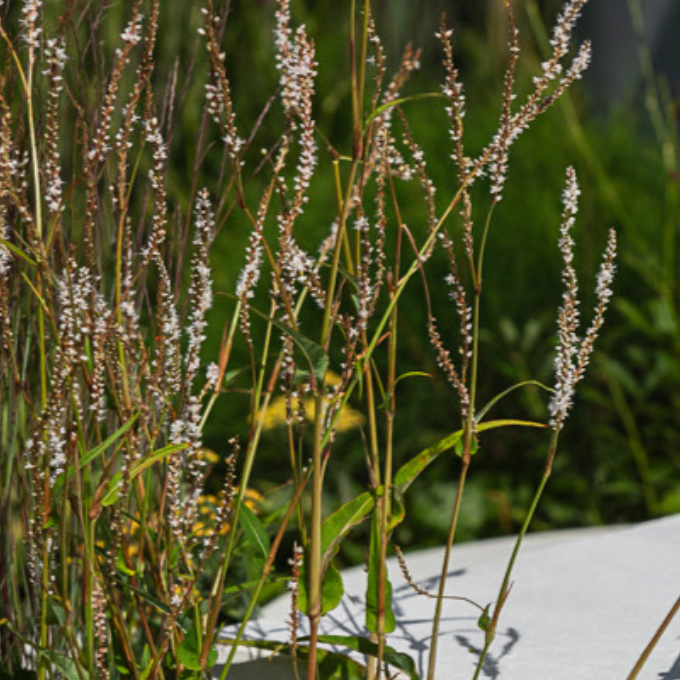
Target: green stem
[[218, 590], [445, 568], [265, 574], [315, 575], [89, 581], [504, 590], [469, 433]]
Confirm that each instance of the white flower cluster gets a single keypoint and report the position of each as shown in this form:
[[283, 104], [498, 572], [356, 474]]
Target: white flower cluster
[[132, 33], [574, 354], [212, 374], [56, 442], [563, 30], [218, 91], [250, 274], [100, 329], [74, 291], [295, 60], [366, 290], [200, 291], [30, 13], [581, 62], [55, 55], [187, 430], [160, 151], [170, 333], [157, 180], [298, 264], [5, 258]]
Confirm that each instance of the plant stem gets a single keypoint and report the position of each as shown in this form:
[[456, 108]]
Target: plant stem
[[469, 434], [384, 505], [445, 568], [216, 602], [314, 573], [653, 642], [505, 585], [265, 574]]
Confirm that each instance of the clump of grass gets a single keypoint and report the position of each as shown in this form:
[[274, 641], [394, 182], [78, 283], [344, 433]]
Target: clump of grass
[[114, 559]]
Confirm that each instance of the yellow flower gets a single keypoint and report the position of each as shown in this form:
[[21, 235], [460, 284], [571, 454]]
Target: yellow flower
[[209, 456], [348, 419]]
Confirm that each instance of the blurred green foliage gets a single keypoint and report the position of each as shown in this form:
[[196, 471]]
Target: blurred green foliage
[[620, 456]]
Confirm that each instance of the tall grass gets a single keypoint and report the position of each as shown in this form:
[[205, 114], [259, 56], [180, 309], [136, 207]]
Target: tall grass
[[114, 559]]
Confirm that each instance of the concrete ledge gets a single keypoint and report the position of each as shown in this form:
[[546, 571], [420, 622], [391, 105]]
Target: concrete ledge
[[584, 604]]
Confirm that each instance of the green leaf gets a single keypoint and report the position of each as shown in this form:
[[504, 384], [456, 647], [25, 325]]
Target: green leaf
[[335, 666], [314, 354], [483, 411], [411, 374], [190, 651], [147, 663], [398, 508], [56, 614], [121, 566], [460, 447], [255, 533], [509, 422], [113, 493], [338, 525], [230, 376], [396, 102], [155, 457], [332, 589], [332, 665], [120, 668], [146, 596], [398, 660], [93, 454], [409, 471], [484, 620], [98, 450], [375, 565], [16, 251], [64, 664]]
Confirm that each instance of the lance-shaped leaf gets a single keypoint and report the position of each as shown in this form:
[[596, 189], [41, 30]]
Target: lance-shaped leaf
[[93, 454], [364, 646], [338, 525], [113, 491], [314, 354], [409, 471], [255, 533], [397, 102]]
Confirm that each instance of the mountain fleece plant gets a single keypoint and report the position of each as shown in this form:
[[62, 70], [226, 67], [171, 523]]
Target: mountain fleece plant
[[125, 544]]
